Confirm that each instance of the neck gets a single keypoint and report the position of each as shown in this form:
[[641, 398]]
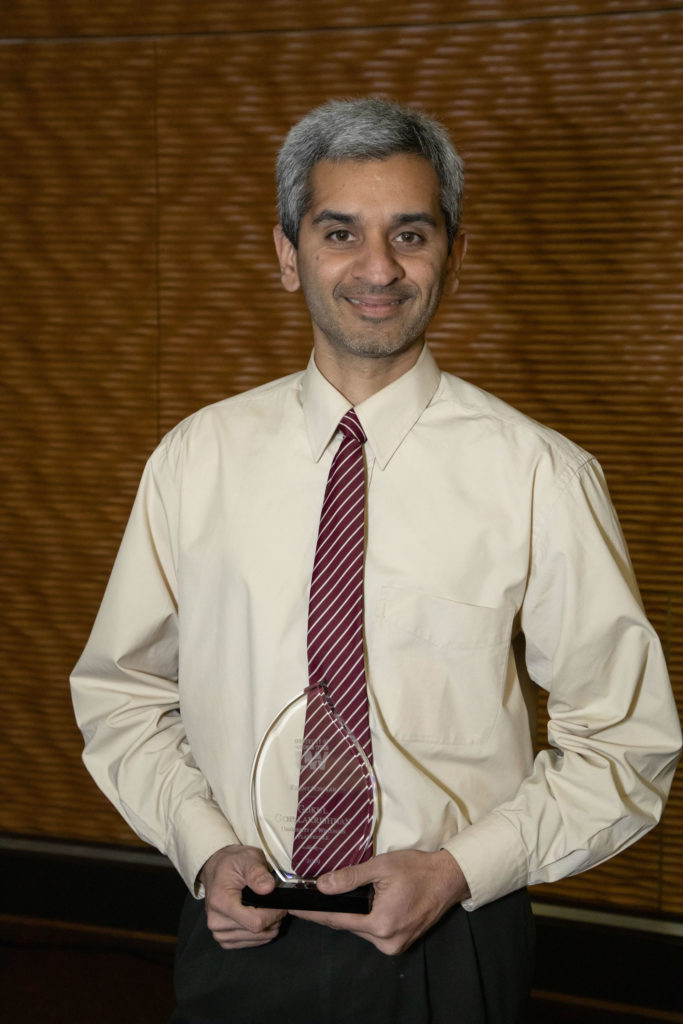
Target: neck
[[358, 377]]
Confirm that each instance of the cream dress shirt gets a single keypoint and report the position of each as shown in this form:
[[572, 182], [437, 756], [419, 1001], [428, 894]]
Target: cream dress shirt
[[494, 557]]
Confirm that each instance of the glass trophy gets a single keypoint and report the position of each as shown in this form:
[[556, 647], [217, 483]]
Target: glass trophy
[[276, 780]]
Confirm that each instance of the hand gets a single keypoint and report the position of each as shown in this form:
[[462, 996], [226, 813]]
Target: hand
[[225, 873], [412, 891]]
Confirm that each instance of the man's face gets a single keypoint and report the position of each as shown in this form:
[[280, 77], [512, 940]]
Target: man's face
[[372, 259]]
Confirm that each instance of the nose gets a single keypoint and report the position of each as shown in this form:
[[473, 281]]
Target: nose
[[376, 263]]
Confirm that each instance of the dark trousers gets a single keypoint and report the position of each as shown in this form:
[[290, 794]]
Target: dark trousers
[[470, 968]]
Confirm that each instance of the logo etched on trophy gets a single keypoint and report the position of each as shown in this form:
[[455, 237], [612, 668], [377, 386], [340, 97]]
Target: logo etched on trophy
[[314, 801]]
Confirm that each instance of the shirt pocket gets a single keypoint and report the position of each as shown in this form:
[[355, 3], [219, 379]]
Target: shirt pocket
[[438, 667]]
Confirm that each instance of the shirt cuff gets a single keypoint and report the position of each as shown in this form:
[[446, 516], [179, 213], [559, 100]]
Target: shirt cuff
[[492, 858], [200, 829]]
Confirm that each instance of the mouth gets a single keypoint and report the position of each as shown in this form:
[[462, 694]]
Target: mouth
[[374, 306]]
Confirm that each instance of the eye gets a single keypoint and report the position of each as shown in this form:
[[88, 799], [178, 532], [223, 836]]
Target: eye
[[409, 238], [340, 235]]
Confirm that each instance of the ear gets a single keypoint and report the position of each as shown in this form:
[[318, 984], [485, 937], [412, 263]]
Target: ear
[[286, 254], [455, 261]]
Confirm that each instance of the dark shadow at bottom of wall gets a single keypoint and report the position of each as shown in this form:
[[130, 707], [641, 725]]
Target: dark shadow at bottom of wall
[[90, 939]]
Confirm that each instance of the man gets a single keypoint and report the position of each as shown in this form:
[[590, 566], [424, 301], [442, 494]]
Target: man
[[491, 551]]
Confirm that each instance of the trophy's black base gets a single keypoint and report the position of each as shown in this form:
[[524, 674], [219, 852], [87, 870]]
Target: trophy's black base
[[306, 896]]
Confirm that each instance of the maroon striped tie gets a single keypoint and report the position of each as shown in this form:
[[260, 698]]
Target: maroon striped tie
[[335, 809]]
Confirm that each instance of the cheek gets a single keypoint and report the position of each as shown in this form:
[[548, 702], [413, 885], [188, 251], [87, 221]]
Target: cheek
[[316, 269], [431, 281]]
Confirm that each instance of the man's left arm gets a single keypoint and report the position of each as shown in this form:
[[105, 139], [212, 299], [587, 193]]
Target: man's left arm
[[613, 731], [614, 737]]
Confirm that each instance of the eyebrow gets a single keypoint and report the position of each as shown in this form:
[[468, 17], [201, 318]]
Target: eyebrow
[[416, 218], [421, 217], [327, 215]]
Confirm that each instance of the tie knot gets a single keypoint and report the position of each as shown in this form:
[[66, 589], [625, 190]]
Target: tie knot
[[350, 426]]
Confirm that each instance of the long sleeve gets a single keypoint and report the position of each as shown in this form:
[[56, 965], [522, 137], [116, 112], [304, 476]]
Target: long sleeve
[[613, 730], [126, 696]]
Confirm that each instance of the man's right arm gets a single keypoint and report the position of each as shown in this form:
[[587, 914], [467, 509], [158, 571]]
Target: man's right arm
[[126, 697]]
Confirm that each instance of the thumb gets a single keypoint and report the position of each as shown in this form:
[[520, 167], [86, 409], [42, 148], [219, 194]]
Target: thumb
[[346, 879], [259, 878]]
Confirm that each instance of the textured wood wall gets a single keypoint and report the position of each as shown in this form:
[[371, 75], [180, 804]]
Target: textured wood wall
[[138, 283]]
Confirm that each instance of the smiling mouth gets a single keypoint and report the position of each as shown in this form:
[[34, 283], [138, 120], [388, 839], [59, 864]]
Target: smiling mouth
[[374, 304]]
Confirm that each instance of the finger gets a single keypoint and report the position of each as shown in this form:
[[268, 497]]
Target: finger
[[346, 879], [243, 935], [232, 935], [266, 920], [245, 920], [231, 914], [247, 944], [356, 923], [255, 921], [245, 941], [258, 877]]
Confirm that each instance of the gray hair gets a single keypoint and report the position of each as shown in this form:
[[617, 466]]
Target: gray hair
[[363, 129]]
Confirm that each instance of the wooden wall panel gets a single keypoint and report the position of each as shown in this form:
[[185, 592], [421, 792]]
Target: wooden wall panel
[[143, 284], [78, 18], [79, 357]]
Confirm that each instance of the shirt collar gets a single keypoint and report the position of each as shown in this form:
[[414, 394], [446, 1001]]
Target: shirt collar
[[386, 417]]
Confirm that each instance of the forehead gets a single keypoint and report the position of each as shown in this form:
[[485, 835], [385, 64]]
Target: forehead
[[402, 183]]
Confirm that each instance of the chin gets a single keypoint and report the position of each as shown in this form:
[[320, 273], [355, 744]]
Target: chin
[[375, 348]]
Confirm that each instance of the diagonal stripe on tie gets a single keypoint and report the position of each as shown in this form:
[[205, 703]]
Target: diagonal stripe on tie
[[336, 800]]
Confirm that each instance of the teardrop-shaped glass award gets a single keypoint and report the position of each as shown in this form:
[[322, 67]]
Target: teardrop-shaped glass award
[[306, 791]]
